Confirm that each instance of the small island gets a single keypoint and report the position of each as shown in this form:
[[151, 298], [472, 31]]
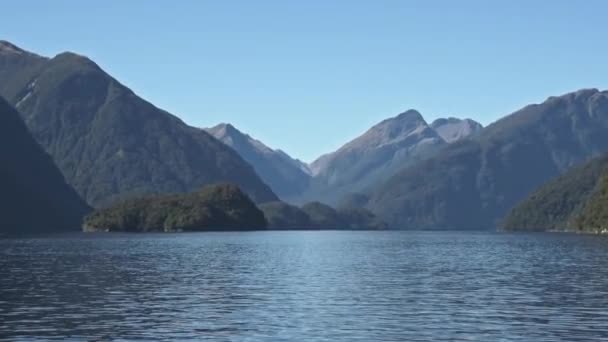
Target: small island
[[223, 207], [214, 207]]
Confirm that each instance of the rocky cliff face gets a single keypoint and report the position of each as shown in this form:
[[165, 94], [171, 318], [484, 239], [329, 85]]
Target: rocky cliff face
[[454, 129]]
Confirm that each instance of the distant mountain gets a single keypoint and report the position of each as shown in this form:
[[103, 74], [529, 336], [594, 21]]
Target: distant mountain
[[109, 143], [316, 215], [285, 175], [453, 129], [35, 196], [214, 207], [565, 203], [377, 154], [472, 183]]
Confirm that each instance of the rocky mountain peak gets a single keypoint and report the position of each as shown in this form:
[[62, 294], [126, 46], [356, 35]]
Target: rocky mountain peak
[[222, 130], [409, 115], [9, 48], [453, 129], [587, 92], [392, 130], [234, 138], [578, 95], [377, 154]]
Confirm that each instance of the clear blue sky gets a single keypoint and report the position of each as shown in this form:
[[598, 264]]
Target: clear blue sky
[[306, 76]]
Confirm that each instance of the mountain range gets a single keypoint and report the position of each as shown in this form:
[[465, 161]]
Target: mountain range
[[381, 151], [109, 143], [395, 143], [354, 168], [473, 183]]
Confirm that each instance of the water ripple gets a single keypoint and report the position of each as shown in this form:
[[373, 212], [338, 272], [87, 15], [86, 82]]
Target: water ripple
[[312, 286]]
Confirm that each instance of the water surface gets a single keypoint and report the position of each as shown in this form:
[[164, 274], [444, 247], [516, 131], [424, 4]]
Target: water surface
[[305, 286]]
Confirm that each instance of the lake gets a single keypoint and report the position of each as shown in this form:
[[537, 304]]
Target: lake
[[306, 286]]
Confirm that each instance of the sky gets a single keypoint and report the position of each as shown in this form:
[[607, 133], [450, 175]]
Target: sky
[[308, 76]]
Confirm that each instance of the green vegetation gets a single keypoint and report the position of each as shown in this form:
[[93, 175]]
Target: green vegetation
[[361, 219], [323, 216], [215, 207], [222, 207], [281, 215], [35, 198], [594, 214], [557, 204], [316, 215]]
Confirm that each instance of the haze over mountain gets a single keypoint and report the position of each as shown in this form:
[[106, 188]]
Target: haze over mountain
[[472, 183], [285, 175], [35, 196], [380, 152], [108, 142]]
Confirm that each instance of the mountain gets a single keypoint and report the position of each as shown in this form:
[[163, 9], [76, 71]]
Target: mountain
[[35, 196], [454, 129], [109, 143], [472, 183], [214, 207], [285, 175], [377, 154], [559, 204]]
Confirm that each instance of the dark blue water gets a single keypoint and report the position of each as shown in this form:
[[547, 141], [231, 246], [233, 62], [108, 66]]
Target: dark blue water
[[306, 286]]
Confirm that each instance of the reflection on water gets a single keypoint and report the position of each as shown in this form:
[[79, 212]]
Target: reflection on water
[[368, 286]]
